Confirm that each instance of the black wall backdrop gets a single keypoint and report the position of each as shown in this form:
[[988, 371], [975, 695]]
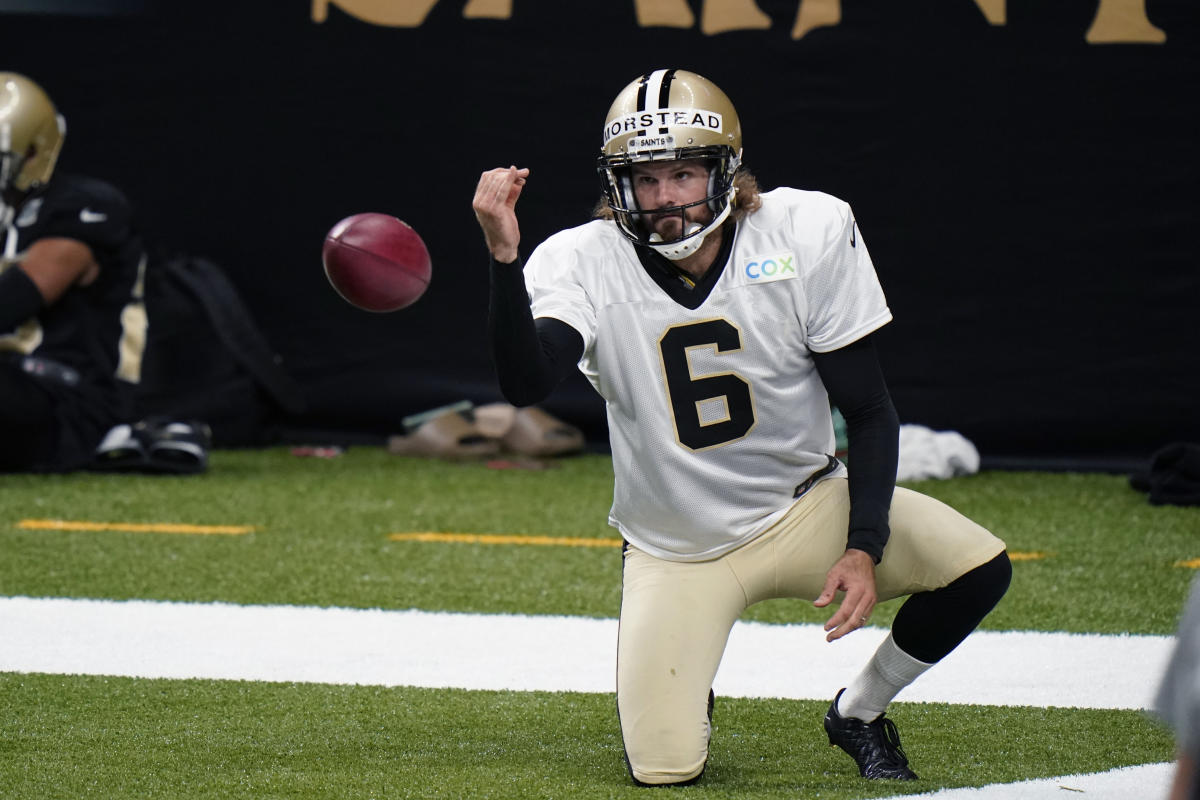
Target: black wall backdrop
[[1029, 191]]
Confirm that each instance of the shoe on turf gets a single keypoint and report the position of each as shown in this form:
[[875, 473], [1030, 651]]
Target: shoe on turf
[[178, 446], [874, 746]]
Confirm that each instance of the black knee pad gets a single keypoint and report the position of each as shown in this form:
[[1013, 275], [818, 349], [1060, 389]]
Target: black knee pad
[[931, 624]]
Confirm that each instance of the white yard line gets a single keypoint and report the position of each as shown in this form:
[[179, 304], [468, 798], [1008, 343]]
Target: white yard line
[[1143, 782], [484, 651]]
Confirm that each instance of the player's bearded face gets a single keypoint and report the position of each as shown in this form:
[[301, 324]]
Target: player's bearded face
[[676, 190]]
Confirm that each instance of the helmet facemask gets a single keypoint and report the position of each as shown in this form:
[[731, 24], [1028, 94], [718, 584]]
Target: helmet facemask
[[665, 116], [634, 221], [10, 167]]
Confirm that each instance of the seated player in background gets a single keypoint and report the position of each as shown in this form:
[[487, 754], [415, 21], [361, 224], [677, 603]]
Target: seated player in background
[[72, 321], [718, 322]]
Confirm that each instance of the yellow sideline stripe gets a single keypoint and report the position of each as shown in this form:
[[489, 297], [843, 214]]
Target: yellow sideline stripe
[[569, 541], [495, 538], [132, 527], [1191, 563]]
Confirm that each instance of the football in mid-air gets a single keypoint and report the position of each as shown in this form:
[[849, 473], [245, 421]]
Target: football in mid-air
[[376, 262]]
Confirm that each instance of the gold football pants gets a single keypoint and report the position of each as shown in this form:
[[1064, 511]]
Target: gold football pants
[[676, 616]]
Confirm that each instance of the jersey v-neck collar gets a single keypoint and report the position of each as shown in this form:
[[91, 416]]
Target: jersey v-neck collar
[[676, 283]]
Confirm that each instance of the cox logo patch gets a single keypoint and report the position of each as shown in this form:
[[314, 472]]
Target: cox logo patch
[[763, 269]]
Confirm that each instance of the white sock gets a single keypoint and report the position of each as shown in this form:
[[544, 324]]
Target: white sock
[[888, 671]]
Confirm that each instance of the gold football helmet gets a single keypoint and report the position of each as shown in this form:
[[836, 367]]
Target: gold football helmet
[[667, 115], [31, 134]]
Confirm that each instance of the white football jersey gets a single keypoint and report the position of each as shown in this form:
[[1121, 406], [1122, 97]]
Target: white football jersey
[[715, 414]]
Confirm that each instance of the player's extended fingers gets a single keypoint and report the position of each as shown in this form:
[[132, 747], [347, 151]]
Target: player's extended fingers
[[860, 615], [854, 613], [840, 623], [847, 624], [832, 584]]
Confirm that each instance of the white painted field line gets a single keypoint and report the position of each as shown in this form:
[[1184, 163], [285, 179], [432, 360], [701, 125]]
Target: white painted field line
[[1143, 782], [477, 651]]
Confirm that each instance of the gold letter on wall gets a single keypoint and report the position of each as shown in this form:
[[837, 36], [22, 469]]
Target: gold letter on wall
[[663, 14], [1116, 21], [488, 9], [996, 11], [717, 16], [395, 13], [816, 14], [1123, 21], [720, 16]]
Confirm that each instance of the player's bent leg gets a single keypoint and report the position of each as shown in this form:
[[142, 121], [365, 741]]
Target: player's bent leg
[[955, 571], [808, 540], [928, 626], [675, 621], [931, 545], [931, 624]]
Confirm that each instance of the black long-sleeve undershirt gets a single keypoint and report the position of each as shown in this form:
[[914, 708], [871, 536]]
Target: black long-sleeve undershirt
[[855, 384], [20, 299], [532, 356]]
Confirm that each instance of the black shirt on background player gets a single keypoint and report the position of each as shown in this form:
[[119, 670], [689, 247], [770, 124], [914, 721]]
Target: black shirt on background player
[[67, 374]]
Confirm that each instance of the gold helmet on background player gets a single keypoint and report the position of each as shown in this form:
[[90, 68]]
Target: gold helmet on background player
[[31, 134], [666, 115]]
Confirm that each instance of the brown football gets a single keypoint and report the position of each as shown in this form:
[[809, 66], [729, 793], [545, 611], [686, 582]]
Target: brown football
[[376, 262]]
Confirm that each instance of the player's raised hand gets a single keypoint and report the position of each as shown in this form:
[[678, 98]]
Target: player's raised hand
[[495, 207], [854, 574]]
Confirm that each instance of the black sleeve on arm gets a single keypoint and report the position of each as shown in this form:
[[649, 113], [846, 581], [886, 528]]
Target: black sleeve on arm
[[20, 299], [852, 377], [531, 356]]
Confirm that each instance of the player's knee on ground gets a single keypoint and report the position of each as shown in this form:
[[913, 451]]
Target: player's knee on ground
[[664, 769], [661, 751]]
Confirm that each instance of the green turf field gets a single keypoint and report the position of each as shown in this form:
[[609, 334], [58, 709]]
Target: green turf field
[[1097, 558]]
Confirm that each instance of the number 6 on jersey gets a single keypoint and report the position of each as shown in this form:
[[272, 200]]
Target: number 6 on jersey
[[709, 410]]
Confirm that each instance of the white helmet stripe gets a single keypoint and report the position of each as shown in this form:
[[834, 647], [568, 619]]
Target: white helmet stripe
[[654, 87], [658, 90], [655, 92]]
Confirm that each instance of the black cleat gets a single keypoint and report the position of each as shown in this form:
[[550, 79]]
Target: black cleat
[[874, 746]]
